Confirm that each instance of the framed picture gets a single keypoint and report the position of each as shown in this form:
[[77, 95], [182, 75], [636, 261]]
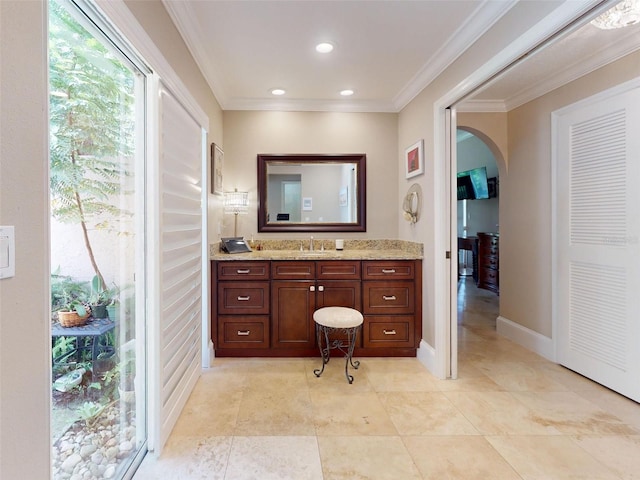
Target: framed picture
[[217, 162], [307, 204], [414, 159]]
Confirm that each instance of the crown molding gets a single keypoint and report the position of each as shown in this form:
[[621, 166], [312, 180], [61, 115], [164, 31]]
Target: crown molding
[[478, 23], [186, 22], [578, 69], [485, 15], [293, 105]]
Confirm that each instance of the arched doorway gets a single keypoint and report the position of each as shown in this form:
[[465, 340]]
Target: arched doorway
[[477, 299]]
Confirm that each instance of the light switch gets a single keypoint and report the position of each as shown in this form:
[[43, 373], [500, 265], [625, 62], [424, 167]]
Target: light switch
[[7, 252]]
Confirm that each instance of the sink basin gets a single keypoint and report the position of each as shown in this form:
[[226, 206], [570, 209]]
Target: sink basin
[[312, 254]]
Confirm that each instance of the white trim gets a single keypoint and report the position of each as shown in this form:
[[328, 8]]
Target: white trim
[[544, 29], [153, 260], [531, 340], [426, 354], [207, 344], [125, 21], [620, 49], [452, 306], [478, 23]]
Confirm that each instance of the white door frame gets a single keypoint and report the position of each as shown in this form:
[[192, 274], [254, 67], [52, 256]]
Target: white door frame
[[445, 214]]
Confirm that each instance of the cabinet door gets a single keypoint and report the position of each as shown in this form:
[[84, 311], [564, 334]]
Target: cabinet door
[[340, 293], [293, 303]]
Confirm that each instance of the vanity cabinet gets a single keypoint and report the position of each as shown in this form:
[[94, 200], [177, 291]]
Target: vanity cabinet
[[265, 308], [489, 261], [299, 288], [242, 304], [389, 303]]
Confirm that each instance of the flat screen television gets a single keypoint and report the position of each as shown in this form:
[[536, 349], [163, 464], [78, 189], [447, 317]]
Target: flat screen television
[[472, 184]]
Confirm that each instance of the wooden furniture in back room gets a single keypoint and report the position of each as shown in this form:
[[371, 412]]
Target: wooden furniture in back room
[[489, 261]]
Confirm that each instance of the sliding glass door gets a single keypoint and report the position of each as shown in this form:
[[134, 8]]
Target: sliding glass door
[[97, 105]]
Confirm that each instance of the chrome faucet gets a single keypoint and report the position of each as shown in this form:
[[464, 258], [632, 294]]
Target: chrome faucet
[[311, 244]]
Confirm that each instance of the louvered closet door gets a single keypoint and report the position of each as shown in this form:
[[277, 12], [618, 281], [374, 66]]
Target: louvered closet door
[[597, 226], [180, 259]]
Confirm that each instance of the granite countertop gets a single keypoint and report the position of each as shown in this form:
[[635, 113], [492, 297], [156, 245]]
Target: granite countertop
[[353, 250]]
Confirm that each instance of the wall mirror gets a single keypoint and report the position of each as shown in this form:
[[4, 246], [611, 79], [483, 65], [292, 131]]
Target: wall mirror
[[311, 193]]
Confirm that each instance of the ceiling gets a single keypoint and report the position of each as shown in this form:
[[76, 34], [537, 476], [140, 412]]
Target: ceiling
[[386, 51]]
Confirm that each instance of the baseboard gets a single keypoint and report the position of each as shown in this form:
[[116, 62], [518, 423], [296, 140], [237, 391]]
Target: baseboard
[[426, 354], [526, 337]]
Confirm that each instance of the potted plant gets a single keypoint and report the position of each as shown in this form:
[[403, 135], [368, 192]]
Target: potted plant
[[104, 362], [113, 302], [74, 312], [99, 299]]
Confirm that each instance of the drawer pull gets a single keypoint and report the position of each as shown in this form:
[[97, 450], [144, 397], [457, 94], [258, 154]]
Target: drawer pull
[[244, 271], [389, 332], [244, 333], [389, 297], [388, 270], [243, 299]]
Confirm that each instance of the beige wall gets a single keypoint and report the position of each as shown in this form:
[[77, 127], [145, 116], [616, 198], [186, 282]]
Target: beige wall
[[248, 133], [416, 121], [24, 311], [525, 216], [154, 18]]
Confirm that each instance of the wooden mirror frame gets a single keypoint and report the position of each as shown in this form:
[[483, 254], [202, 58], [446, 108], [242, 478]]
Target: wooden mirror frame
[[360, 225]]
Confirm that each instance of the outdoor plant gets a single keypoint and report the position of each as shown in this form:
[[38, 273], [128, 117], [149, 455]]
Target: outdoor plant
[[74, 304], [90, 134], [62, 346], [99, 294], [65, 289], [89, 412]]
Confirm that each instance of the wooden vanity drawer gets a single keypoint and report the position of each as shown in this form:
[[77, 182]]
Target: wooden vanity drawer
[[388, 298], [233, 270], [243, 298], [388, 270], [251, 331], [338, 270], [388, 331], [294, 270]]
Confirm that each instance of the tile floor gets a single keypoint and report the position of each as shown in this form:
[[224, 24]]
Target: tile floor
[[510, 415]]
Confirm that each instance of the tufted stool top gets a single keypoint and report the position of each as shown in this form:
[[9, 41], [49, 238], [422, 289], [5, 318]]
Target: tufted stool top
[[337, 317]]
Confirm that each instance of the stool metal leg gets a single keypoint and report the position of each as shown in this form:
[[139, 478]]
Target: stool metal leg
[[352, 334], [325, 352]]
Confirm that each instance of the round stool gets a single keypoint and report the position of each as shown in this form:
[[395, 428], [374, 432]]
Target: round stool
[[337, 319]]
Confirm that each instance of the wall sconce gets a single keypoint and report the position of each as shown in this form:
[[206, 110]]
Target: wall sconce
[[412, 204], [236, 203]]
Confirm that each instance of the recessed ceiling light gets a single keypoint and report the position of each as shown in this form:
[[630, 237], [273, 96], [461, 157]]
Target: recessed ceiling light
[[278, 91], [324, 47], [346, 93]]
